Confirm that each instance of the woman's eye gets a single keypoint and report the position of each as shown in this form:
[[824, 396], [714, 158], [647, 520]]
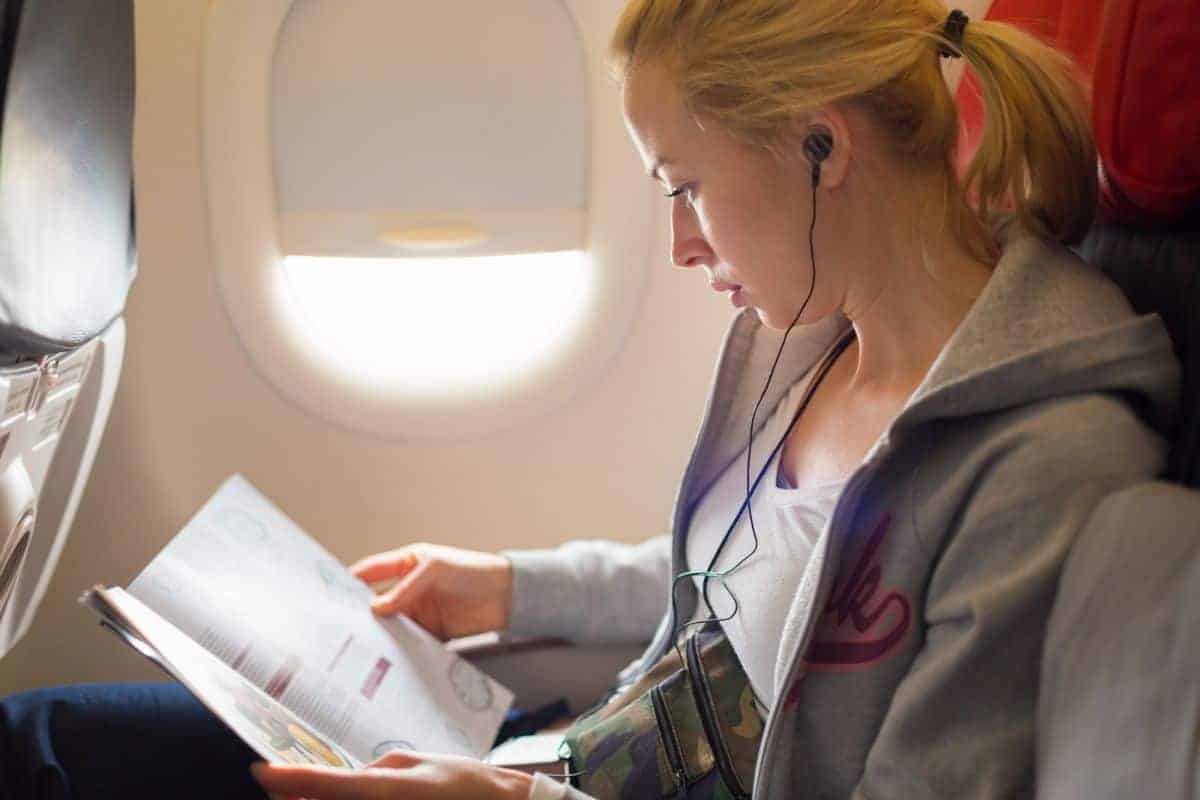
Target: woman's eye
[[688, 192]]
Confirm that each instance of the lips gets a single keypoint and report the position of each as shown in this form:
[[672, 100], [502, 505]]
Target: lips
[[721, 286]]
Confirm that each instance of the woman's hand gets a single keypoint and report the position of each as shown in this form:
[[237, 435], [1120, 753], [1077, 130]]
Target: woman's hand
[[448, 591], [400, 775]]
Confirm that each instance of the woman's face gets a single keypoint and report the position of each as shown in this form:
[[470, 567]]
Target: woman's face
[[741, 213]]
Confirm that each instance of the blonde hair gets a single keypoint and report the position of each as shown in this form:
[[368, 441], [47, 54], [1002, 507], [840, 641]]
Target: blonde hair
[[752, 66]]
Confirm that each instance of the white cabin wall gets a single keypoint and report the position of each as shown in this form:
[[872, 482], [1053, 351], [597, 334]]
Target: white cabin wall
[[190, 410]]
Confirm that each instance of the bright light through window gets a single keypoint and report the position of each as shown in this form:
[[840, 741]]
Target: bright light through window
[[440, 325]]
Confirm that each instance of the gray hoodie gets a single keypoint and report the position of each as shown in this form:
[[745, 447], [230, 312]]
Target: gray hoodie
[[911, 652]]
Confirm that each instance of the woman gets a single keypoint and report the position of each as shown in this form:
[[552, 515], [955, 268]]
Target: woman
[[955, 399], [976, 395]]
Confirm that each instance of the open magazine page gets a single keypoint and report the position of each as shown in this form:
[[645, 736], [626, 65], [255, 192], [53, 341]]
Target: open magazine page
[[249, 586], [270, 729]]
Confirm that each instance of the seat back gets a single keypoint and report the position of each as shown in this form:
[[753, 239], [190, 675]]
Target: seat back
[[66, 264], [1142, 59], [1159, 271], [1119, 695], [66, 132]]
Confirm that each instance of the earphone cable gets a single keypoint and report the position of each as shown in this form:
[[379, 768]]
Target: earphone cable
[[721, 576]]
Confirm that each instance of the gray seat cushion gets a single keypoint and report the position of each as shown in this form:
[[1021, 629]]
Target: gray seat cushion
[[1119, 702]]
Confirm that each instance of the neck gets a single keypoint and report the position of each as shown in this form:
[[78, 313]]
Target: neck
[[905, 311]]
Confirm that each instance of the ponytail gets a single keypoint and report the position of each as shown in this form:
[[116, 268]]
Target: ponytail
[[1037, 151]]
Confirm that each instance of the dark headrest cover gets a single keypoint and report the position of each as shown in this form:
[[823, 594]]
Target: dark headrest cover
[[66, 238], [1157, 270]]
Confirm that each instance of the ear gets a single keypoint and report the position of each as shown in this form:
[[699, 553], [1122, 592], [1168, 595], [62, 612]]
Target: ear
[[829, 121]]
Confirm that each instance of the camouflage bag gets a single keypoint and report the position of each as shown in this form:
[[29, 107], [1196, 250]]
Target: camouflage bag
[[684, 730]]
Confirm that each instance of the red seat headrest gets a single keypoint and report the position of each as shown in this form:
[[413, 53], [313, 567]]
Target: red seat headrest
[[1142, 58]]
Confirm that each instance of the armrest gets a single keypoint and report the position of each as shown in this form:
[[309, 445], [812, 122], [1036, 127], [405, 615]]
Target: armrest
[[540, 670]]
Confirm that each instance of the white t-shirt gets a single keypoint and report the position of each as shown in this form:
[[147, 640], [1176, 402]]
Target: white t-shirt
[[789, 522]]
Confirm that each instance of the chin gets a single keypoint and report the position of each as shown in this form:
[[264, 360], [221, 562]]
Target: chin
[[775, 322], [781, 320]]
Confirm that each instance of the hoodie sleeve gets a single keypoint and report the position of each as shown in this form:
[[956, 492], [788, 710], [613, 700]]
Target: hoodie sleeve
[[961, 721], [591, 591]]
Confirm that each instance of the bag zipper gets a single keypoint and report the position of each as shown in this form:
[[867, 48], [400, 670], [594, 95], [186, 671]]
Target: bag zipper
[[44, 382], [670, 743], [707, 708]]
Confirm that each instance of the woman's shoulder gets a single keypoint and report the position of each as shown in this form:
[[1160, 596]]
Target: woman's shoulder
[[1045, 451], [1048, 327]]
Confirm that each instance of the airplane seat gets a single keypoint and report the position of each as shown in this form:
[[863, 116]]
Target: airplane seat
[[1119, 702], [66, 264], [1119, 696], [1141, 59]]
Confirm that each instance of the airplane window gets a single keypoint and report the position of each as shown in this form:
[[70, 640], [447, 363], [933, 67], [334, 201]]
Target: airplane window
[[413, 238], [440, 325]]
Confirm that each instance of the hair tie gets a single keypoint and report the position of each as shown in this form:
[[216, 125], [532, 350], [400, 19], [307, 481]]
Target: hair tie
[[956, 23]]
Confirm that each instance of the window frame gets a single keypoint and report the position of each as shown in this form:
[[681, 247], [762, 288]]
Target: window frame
[[249, 259]]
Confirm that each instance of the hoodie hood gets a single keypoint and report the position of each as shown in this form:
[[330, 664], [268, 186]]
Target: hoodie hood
[[1048, 325]]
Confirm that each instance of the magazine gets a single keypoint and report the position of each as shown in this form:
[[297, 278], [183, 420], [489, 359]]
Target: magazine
[[278, 639]]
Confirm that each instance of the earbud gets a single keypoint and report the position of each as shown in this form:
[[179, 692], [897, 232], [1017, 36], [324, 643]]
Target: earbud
[[817, 147]]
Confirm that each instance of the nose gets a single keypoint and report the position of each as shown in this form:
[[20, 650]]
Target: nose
[[688, 246]]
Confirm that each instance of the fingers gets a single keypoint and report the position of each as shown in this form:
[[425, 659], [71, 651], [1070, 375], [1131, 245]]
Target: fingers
[[319, 783], [398, 759], [385, 566], [401, 598]]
